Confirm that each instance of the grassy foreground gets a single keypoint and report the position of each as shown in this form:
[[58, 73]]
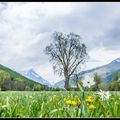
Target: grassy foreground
[[58, 104]]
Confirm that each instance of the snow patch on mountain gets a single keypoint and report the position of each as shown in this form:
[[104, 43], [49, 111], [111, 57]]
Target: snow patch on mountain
[[31, 74], [116, 60]]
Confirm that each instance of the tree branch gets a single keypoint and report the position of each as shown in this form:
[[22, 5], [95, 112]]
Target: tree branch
[[75, 67]]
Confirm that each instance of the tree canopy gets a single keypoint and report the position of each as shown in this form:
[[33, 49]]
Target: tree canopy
[[67, 52]]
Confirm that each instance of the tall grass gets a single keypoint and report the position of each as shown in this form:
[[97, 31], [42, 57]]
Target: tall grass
[[53, 104]]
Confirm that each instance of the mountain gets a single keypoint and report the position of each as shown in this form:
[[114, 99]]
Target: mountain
[[31, 74], [12, 80], [104, 71]]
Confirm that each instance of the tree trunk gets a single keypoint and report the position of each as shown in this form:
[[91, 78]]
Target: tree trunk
[[66, 86]]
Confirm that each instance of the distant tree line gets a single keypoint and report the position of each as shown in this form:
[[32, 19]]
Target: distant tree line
[[113, 85]]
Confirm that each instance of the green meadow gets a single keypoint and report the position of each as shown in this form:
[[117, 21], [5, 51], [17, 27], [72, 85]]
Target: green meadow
[[57, 104]]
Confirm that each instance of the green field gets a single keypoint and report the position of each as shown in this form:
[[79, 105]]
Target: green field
[[57, 104]]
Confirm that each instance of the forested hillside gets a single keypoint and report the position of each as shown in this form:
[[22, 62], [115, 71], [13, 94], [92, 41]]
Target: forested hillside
[[11, 80]]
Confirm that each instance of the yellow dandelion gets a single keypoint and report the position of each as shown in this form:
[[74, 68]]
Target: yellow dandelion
[[91, 107], [90, 97], [68, 101], [30, 97], [72, 102], [89, 100]]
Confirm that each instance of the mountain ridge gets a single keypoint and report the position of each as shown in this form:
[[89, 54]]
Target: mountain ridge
[[31, 74], [105, 71]]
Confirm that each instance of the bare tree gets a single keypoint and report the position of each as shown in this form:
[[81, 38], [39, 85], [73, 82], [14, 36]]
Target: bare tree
[[67, 53]]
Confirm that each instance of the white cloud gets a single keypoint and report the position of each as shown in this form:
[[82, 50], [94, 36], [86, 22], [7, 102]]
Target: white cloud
[[26, 29], [103, 55]]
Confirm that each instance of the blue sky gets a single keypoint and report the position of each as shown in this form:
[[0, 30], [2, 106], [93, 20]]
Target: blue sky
[[26, 28]]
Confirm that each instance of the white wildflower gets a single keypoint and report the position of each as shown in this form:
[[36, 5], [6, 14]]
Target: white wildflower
[[79, 109], [104, 95], [88, 81]]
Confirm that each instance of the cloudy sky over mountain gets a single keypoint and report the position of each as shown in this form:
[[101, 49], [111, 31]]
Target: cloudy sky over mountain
[[26, 28]]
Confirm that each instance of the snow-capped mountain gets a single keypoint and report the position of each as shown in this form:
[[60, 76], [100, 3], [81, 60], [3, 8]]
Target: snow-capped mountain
[[116, 60], [31, 74], [104, 71]]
